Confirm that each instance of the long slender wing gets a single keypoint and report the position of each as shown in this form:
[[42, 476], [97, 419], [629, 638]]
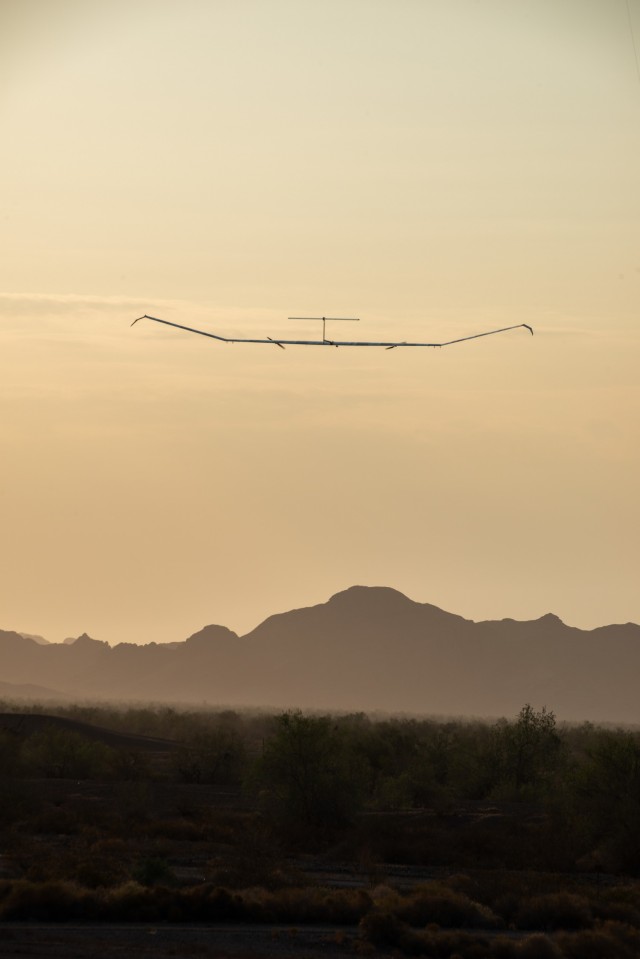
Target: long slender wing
[[282, 343]]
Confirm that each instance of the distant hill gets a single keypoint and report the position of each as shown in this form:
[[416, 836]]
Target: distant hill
[[26, 724], [38, 639], [22, 691], [367, 648]]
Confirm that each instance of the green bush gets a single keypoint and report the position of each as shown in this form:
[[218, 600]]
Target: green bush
[[309, 779], [154, 871], [65, 754]]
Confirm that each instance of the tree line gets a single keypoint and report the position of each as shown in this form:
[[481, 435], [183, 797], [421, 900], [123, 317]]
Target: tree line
[[312, 779]]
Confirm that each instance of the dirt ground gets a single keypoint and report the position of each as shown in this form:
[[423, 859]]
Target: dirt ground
[[40, 941]]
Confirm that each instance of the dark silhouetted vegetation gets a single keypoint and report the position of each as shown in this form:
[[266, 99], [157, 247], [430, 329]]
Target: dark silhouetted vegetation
[[452, 833]]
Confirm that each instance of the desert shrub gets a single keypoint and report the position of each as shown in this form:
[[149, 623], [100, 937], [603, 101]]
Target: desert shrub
[[559, 910], [15, 803], [51, 865], [394, 792], [607, 792], [347, 907], [614, 906], [385, 898], [182, 830], [128, 765], [133, 801], [295, 906], [446, 908], [55, 821], [420, 840], [9, 754], [383, 929], [222, 906], [103, 864], [609, 941], [496, 887], [538, 946], [618, 903], [309, 905], [464, 945], [191, 904], [212, 756], [290, 905], [228, 826], [55, 901], [87, 864], [626, 935], [254, 859], [206, 903], [6, 886], [133, 902], [386, 932]]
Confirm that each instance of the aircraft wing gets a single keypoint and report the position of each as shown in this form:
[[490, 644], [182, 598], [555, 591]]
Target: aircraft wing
[[273, 341]]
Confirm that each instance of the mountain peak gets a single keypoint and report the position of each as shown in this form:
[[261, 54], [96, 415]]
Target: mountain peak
[[362, 594], [550, 619], [209, 635], [84, 640], [385, 601]]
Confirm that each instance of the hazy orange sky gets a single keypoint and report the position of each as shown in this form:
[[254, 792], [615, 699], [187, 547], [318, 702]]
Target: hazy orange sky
[[436, 167]]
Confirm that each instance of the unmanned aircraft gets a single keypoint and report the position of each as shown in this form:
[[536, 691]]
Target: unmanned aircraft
[[324, 341]]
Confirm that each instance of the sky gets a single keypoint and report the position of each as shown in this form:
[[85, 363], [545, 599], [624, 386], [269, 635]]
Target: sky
[[434, 167]]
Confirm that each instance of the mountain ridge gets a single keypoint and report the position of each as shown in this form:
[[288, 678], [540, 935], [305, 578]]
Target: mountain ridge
[[365, 648]]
